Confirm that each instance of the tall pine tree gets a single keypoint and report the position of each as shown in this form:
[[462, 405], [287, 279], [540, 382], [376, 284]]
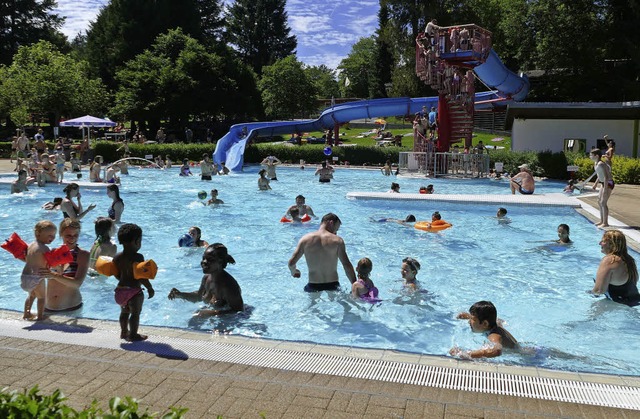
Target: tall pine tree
[[25, 22], [259, 32]]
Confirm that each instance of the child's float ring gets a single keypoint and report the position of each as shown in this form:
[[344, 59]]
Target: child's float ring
[[432, 227]]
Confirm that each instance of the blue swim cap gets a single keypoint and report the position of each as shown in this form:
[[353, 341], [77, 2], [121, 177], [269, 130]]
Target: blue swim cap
[[185, 241]]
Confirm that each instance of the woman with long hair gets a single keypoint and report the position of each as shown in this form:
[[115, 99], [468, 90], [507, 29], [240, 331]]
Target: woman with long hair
[[72, 209], [117, 205], [617, 274]]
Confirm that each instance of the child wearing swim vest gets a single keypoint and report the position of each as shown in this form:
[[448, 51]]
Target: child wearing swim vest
[[103, 245], [483, 318], [128, 293], [32, 280], [364, 287]]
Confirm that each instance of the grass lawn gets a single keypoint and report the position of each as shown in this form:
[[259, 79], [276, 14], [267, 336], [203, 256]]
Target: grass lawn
[[351, 137]]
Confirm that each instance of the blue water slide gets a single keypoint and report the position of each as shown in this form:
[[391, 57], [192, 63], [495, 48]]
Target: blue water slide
[[496, 75], [493, 73]]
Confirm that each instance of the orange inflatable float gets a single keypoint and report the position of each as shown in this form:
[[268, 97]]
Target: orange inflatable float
[[16, 246], [304, 219], [59, 256], [141, 270], [432, 227], [105, 266]]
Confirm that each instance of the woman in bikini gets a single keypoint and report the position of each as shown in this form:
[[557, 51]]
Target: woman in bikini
[[117, 206], [63, 287], [72, 209]]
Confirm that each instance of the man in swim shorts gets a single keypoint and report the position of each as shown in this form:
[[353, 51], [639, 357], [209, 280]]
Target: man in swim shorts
[[302, 207], [321, 250], [325, 172], [523, 181]]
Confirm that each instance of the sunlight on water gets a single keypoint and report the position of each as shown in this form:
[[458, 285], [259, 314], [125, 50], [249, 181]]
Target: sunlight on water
[[539, 290]]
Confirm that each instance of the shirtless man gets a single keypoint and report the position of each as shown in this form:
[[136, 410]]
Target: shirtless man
[[303, 209], [321, 250], [325, 172], [523, 181]]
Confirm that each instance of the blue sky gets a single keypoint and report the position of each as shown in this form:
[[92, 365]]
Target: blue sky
[[326, 29]]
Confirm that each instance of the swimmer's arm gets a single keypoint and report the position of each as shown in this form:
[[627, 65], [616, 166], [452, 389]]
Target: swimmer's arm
[[297, 254], [489, 351], [603, 276], [193, 296], [147, 284], [355, 290], [346, 263]]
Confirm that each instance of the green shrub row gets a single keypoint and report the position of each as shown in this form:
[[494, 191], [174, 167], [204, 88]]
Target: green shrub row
[[31, 404], [543, 164]]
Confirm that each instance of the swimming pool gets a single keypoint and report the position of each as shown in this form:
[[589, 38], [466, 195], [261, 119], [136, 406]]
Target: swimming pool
[[539, 291]]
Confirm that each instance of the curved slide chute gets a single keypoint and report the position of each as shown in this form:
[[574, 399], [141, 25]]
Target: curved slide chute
[[230, 148], [496, 75]]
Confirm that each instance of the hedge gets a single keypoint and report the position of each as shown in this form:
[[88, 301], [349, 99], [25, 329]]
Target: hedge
[[543, 164]]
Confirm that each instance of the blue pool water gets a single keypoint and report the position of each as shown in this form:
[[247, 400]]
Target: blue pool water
[[539, 291]]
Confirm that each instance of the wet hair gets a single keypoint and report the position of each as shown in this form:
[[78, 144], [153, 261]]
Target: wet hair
[[410, 218], [300, 197], [70, 187], [330, 217], [295, 212], [413, 264], [436, 216], [485, 310], [128, 233], [502, 211], [116, 189], [69, 223], [364, 267], [198, 241], [214, 191], [57, 200], [262, 172], [565, 227], [596, 152], [103, 226], [43, 225], [429, 187], [618, 245], [394, 186], [220, 252]]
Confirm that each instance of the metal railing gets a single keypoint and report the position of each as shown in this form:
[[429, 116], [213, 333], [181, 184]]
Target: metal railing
[[466, 165]]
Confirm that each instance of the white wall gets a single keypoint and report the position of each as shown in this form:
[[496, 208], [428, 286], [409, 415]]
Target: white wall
[[549, 134]]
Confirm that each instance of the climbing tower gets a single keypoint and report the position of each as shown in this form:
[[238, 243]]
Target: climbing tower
[[445, 61]]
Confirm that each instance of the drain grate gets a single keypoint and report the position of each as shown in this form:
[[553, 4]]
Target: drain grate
[[570, 391]]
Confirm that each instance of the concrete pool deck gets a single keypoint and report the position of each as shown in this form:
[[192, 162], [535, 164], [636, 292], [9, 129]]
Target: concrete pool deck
[[246, 377]]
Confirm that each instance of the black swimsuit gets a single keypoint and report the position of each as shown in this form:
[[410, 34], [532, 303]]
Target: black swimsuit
[[626, 293]]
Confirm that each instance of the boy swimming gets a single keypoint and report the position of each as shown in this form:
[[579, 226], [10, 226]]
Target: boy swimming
[[483, 318]]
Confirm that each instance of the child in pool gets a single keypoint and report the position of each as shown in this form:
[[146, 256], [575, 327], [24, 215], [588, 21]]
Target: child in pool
[[563, 234], [128, 293], [184, 169], [32, 279], [363, 287], [501, 215], [483, 318], [103, 245], [218, 287], [409, 271]]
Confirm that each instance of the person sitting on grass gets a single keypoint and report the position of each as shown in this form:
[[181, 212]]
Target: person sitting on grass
[[483, 318]]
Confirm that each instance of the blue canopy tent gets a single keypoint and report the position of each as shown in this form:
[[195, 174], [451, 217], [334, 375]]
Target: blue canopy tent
[[88, 122]]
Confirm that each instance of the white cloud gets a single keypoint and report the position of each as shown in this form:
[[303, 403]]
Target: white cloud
[[325, 29]]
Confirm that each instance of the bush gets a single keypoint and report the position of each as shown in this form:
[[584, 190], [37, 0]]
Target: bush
[[30, 404], [624, 169]]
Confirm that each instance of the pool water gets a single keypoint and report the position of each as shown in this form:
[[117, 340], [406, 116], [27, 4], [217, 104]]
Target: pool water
[[540, 290]]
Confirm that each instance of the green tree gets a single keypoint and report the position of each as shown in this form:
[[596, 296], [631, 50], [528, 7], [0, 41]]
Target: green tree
[[384, 58], [286, 90], [25, 22], [125, 28], [357, 70], [177, 80], [324, 81], [42, 80], [258, 31]]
